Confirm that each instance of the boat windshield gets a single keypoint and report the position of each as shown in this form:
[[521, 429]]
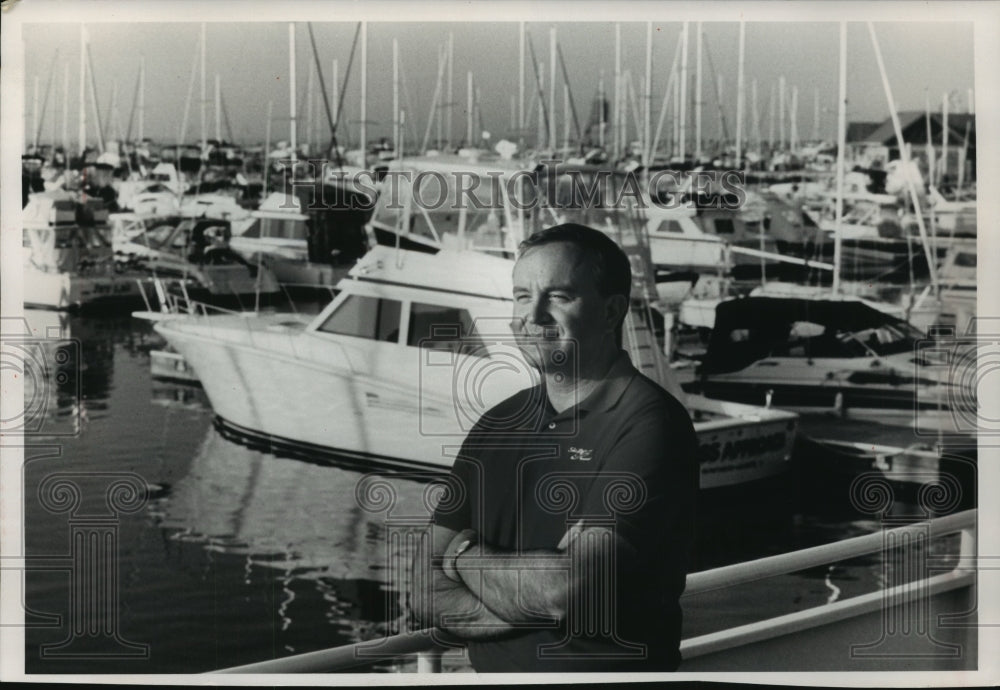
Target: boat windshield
[[886, 339], [806, 339], [165, 237]]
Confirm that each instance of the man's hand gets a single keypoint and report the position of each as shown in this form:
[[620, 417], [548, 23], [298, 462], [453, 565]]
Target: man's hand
[[439, 602]]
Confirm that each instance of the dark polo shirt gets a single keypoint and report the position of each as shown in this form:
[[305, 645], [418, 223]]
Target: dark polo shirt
[[624, 457]]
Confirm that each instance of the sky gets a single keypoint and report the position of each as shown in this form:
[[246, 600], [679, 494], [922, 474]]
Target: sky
[[923, 60]]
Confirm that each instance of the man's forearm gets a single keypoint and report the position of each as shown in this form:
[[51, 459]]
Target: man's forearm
[[437, 601], [523, 589], [458, 611]]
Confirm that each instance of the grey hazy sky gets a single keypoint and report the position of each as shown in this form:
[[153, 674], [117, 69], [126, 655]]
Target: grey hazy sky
[[252, 60]]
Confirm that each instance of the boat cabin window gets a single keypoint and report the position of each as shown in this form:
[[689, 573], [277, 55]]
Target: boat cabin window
[[965, 259], [285, 229], [365, 317], [724, 226], [159, 236], [444, 328]]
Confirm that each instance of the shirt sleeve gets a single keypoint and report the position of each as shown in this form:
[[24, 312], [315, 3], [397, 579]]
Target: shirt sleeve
[[649, 485], [455, 506]]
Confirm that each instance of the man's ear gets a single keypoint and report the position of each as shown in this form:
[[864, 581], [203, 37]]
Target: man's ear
[[615, 308]]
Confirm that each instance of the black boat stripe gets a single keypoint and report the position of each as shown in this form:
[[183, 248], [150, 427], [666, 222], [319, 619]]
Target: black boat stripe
[[393, 283]]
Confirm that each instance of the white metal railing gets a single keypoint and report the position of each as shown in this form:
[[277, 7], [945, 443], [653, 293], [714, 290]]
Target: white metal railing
[[428, 648], [169, 302]]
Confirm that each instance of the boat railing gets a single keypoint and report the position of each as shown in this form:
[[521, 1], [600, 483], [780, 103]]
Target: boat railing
[[176, 301], [428, 645]]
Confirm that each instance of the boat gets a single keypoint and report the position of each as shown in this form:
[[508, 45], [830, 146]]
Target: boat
[[822, 355], [68, 258], [483, 221], [308, 240], [834, 453], [369, 382], [957, 279], [196, 254]]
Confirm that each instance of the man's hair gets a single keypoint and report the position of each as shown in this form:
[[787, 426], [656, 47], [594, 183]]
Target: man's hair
[[610, 266]]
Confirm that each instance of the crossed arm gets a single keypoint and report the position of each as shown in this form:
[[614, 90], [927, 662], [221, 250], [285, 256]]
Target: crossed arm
[[496, 591]]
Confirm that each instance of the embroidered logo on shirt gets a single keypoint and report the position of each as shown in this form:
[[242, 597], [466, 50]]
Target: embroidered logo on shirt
[[581, 454]]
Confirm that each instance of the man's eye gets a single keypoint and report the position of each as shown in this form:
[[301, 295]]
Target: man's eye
[[559, 297], [522, 299]]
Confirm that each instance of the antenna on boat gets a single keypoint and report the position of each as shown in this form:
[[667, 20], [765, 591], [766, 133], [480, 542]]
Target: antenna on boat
[[399, 153], [841, 149]]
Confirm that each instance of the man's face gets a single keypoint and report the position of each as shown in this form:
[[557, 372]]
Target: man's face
[[560, 319]]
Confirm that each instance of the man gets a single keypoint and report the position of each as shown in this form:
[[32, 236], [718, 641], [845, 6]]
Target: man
[[563, 545]]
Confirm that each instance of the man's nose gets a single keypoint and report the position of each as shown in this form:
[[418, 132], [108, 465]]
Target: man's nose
[[538, 312]]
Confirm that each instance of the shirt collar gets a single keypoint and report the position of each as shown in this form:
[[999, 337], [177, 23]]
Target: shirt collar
[[607, 394], [610, 390]]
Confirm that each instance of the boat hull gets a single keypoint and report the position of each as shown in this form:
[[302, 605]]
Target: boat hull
[[67, 291], [902, 405]]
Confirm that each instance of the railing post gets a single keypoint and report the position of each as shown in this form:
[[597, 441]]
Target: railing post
[[429, 661]]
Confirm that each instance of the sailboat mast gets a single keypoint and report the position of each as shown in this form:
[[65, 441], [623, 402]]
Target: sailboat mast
[[683, 99], [142, 97], [34, 118], [451, 93], [697, 94], [676, 123], [82, 116], [647, 124], [740, 95], [310, 113], [756, 116], [218, 108], [335, 91], [567, 117], [364, 94], [540, 77], [291, 92], [93, 98], [841, 148], [618, 122], [267, 142], [395, 96], [553, 141], [781, 113], [793, 143], [815, 136], [930, 141], [469, 95], [600, 110], [203, 92], [520, 85], [65, 112], [770, 121], [945, 143]]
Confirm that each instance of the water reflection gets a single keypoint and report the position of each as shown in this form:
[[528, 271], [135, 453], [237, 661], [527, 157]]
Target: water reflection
[[301, 519]]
